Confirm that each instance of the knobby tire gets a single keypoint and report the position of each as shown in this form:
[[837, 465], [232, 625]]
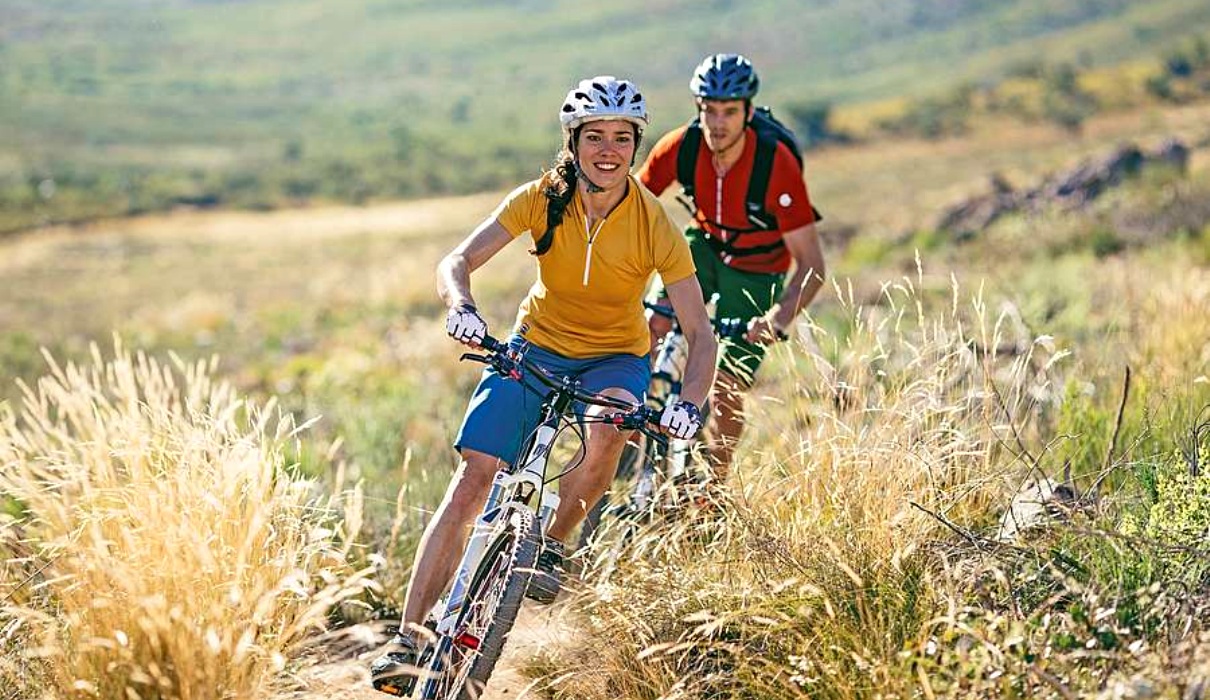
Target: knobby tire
[[493, 598]]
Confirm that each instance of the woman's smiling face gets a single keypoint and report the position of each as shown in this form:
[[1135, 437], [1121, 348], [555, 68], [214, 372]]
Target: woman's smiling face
[[605, 150]]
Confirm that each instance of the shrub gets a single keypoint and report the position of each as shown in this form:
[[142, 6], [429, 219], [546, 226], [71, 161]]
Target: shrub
[[168, 552], [1104, 242]]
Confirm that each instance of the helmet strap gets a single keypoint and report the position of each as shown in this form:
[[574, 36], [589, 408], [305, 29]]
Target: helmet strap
[[593, 188]]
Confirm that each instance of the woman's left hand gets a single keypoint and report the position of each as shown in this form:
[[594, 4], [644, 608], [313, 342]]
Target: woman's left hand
[[681, 420]]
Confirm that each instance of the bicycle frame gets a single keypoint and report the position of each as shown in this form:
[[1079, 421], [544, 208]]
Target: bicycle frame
[[519, 486], [667, 375], [511, 488]]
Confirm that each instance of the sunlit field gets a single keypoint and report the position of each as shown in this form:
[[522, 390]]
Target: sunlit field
[[860, 558], [242, 420]]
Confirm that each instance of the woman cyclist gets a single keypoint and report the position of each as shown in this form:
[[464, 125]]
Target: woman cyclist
[[598, 237]]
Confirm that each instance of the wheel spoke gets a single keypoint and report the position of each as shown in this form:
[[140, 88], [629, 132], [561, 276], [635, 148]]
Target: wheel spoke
[[493, 597]]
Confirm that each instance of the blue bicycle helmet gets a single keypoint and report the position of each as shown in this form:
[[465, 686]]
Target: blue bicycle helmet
[[725, 76]]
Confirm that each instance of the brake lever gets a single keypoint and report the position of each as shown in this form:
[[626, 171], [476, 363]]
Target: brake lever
[[625, 421], [632, 421], [504, 366], [657, 436]]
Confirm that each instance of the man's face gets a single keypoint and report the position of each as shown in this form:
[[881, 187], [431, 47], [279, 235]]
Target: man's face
[[723, 122]]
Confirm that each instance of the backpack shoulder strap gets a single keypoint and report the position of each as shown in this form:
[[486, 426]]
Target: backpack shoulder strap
[[686, 157], [758, 184]]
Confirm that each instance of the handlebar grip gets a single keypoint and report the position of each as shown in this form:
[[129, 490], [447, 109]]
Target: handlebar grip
[[660, 310], [638, 419], [492, 345], [731, 328]]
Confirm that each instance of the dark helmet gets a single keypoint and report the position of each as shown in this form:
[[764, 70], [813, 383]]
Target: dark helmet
[[725, 76]]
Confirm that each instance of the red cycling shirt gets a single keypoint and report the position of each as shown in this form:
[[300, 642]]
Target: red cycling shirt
[[721, 210]]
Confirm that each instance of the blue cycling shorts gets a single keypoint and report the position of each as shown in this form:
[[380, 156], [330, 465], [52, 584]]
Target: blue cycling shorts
[[502, 413]]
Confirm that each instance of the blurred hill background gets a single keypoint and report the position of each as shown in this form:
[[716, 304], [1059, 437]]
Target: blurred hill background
[[128, 106]]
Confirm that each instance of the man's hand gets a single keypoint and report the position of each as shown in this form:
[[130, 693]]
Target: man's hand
[[681, 420], [464, 324], [764, 331]]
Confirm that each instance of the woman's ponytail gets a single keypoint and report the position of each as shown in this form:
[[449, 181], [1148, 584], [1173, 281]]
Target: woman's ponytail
[[559, 191]]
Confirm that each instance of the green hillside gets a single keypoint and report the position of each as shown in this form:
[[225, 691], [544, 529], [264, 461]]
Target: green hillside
[[123, 106]]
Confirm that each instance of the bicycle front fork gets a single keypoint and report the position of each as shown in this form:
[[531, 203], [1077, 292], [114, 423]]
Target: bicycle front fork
[[503, 484]]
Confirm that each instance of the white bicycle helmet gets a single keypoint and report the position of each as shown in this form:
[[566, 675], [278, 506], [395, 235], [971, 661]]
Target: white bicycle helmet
[[604, 97]]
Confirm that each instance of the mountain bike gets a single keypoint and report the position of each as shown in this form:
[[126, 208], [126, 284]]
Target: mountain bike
[[659, 470], [471, 623]]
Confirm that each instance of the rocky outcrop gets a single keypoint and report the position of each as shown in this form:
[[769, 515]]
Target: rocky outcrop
[[1039, 501], [1072, 188]]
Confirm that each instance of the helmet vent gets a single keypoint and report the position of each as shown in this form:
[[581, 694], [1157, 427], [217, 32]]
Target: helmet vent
[[725, 77]]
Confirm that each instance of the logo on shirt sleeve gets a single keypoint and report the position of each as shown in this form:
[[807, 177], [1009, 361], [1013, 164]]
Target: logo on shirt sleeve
[[785, 199]]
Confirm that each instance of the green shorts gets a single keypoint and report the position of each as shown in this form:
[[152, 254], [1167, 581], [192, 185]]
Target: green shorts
[[741, 294]]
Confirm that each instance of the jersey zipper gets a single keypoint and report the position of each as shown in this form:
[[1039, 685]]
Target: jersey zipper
[[718, 201], [592, 236]]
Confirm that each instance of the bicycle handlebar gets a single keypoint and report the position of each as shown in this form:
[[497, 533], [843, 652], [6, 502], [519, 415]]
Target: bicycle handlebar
[[731, 328], [725, 328], [660, 310], [509, 363]]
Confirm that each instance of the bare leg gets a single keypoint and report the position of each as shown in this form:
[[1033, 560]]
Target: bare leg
[[445, 537], [580, 489], [728, 403]]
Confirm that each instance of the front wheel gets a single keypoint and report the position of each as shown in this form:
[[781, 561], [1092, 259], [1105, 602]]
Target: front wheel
[[492, 601]]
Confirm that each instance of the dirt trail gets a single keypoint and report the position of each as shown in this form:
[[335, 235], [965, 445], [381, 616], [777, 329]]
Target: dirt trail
[[536, 627]]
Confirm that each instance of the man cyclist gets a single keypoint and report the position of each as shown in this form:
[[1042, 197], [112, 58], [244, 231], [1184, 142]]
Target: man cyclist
[[765, 268], [599, 236]]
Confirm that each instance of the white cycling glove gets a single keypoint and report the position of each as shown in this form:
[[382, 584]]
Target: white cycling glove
[[464, 324], [681, 420]]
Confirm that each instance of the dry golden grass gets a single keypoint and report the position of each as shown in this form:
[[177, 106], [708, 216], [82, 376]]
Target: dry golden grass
[[819, 556], [164, 550], [832, 574]]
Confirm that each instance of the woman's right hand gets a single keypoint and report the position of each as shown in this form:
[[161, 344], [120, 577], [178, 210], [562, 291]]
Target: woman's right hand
[[464, 324]]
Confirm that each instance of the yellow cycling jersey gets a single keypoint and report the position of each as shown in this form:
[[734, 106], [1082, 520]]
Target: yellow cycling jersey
[[588, 298]]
